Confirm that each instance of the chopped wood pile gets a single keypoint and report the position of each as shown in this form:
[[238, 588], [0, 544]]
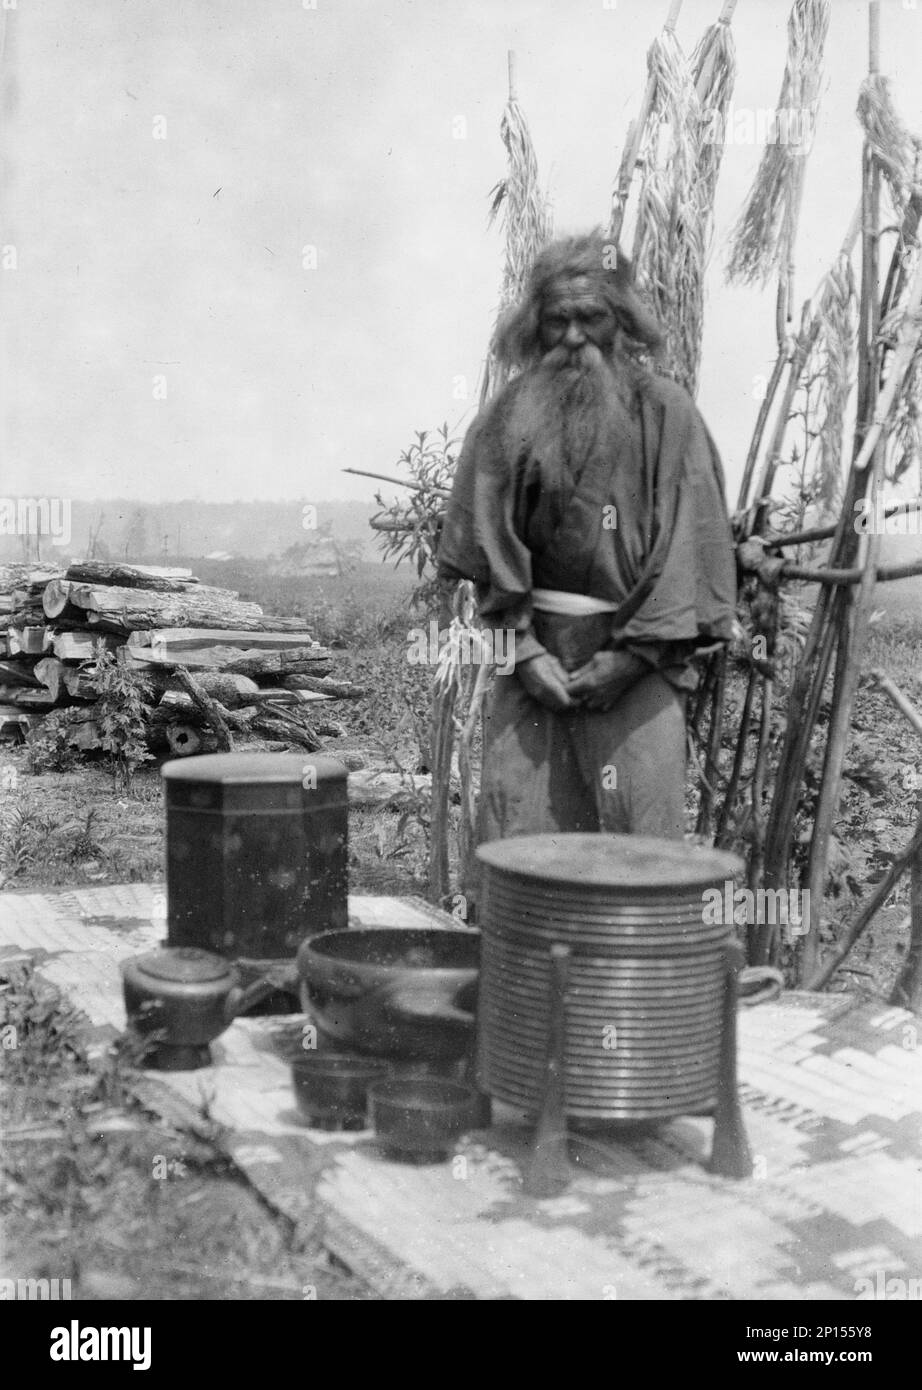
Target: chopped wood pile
[[214, 666]]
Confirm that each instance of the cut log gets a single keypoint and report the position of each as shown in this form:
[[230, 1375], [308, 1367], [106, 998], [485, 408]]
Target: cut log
[[232, 690], [20, 576], [80, 683], [29, 641], [279, 725], [213, 713], [49, 671], [79, 646], [18, 673], [24, 697], [186, 742], [242, 661], [276, 695], [155, 577], [142, 608], [176, 641], [26, 617], [324, 685]]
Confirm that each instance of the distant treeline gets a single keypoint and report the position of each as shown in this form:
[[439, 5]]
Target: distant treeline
[[118, 528]]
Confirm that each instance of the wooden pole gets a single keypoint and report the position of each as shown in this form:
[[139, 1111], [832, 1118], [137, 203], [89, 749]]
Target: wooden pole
[[401, 482], [782, 361], [712, 756], [548, 1169], [825, 533], [856, 614], [721, 837]]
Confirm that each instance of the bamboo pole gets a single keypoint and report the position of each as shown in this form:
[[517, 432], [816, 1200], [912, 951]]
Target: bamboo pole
[[897, 698], [466, 835], [712, 755], [726, 810], [761, 941], [803, 346], [824, 533], [401, 482], [846, 577], [857, 611], [783, 360]]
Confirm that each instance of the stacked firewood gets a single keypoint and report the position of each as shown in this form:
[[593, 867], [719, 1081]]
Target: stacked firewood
[[215, 667]]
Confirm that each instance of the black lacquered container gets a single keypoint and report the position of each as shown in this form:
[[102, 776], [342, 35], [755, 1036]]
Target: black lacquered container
[[256, 851], [648, 951]]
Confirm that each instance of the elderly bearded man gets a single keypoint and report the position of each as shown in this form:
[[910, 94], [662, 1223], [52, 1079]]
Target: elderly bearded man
[[588, 509]]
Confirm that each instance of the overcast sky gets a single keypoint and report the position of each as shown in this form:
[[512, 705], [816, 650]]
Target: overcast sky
[[162, 336]]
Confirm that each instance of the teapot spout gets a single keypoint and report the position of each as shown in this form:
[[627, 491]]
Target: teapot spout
[[240, 1001]]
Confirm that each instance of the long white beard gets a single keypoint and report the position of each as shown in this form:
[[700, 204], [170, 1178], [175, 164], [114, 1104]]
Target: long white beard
[[575, 395]]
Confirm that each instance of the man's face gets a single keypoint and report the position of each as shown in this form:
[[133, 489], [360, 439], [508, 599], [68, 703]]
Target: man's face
[[574, 315]]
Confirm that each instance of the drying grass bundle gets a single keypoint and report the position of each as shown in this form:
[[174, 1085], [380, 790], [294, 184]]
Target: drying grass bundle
[[763, 239], [896, 149], [713, 65], [526, 223], [669, 241], [905, 443], [837, 371]]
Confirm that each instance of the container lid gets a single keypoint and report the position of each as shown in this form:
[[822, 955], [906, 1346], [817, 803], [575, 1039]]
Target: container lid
[[231, 769], [610, 861], [186, 965]]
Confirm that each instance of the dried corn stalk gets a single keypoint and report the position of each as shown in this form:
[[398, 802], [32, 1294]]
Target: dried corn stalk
[[526, 223], [893, 145], [763, 239], [837, 358], [669, 240]]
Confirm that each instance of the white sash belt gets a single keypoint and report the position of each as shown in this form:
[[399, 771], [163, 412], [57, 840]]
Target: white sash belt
[[569, 605]]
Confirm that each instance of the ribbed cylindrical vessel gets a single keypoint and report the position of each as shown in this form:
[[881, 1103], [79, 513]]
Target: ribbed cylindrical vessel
[[647, 923]]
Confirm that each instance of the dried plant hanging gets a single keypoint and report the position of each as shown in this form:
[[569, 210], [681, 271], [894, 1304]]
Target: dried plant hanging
[[762, 241], [669, 239], [836, 359], [896, 149], [905, 442], [527, 222], [713, 65]]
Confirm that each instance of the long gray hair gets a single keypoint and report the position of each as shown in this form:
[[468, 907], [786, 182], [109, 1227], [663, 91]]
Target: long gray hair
[[591, 257]]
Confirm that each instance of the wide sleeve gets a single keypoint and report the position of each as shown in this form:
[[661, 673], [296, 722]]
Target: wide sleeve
[[479, 536], [693, 599]]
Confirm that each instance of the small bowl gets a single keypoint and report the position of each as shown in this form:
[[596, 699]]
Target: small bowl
[[331, 1088], [421, 1118]]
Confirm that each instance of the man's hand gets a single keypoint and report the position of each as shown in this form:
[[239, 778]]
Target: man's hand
[[600, 684], [545, 680]]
